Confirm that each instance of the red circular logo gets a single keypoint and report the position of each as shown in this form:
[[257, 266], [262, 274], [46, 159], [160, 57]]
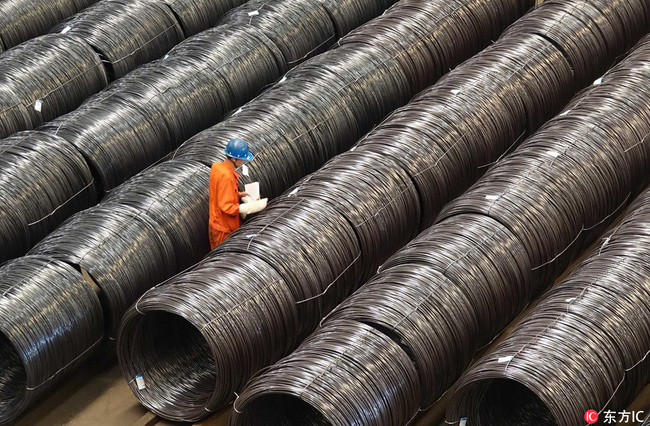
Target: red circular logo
[[591, 416]]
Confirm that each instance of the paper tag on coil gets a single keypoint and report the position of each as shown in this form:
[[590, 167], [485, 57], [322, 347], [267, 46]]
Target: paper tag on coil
[[244, 170], [506, 359], [492, 197], [570, 300], [238, 111], [283, 79], [565, 113], [463, 421], [294, 192], [38, 105], [139, 380], [553, 154], [599, 81], [254, 13], [455, 91], [66, 29]]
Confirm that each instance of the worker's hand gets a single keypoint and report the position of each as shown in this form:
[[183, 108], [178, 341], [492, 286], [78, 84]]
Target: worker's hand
[[243, 194]]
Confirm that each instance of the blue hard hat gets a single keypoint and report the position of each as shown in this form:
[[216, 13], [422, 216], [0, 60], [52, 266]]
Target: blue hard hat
[[238, 149]]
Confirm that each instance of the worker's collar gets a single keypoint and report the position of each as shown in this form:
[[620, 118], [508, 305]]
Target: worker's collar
[[232, 167]]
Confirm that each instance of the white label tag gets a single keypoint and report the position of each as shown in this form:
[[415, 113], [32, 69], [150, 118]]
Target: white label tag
[[238, 111], [38, 105], [455, 91], [139, 380], [570, 300], [492, 197], [553, 154], [244, 170], [506, 359], [565, 113], [462, 422], [66, 29], [599, 81], [166, 56], [294, 192], [254, 13], [283, 79]]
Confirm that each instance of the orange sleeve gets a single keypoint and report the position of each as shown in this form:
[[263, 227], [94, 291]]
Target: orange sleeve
[[228, 196]]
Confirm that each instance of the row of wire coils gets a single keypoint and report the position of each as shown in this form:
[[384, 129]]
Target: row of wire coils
[[141, 117], [459, 283], [151, 226], [318, 264], [289, 234]]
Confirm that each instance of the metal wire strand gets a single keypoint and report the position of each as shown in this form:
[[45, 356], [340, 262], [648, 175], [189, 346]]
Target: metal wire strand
[[50, 323], [126, 33], [43, 180], [22, 20]]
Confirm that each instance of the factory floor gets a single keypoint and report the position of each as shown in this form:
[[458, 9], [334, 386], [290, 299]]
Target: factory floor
[[98, 395]]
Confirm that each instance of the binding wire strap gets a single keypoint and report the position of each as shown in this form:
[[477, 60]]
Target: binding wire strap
[[602, 305], [46, 77], [126, 33], [50, 323], [43, 180], [348, 373], [22, 20]]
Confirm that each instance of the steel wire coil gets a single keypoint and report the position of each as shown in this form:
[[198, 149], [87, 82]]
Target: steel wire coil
[[120, 249], [590, 33], [252, 310], [350, 14], [437, 290], [380, 382], [586, 162], [43, 180], [22, 20], [199, 15], [601, 305], [173, 194], [50, 323], [302, 232], [45, 78], [126, 33], [432, 35], [300, 28]]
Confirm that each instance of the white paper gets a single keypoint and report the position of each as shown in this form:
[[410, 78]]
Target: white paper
[[38, 105], [554, 154], [492, 197], [66, 29], [254, 13], [599, 81], [463, 421], [506, 359], [283, 79], [253, 190], [244, 169], [570, 300], [565, 113], [294, 192], [139, 380], [455, 91]]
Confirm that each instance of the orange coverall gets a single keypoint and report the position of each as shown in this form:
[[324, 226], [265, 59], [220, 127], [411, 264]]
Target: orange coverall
[[224, 202]]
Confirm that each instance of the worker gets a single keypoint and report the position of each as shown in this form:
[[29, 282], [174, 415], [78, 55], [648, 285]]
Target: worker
[[225, 197]]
